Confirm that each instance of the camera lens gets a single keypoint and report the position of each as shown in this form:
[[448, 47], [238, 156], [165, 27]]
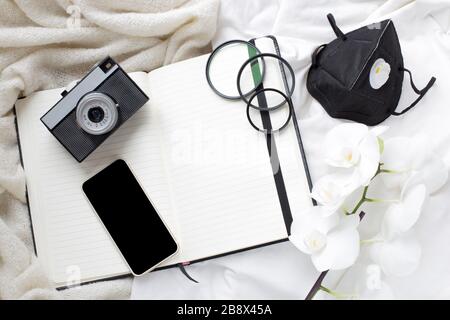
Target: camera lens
[[97, 113]]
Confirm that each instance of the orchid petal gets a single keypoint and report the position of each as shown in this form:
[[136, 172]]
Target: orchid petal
[[331, 191], [405, 155], [342, 248], [401, 217], [399, 257], [378, 130], [297, 237], [309, 223], [434, 173], [369, 159], [341, 144]]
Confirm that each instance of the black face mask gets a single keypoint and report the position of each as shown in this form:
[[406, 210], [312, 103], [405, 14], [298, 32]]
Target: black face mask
[[359, 75]]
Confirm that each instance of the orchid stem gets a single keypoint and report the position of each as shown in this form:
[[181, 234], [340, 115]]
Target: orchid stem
[[370, 241], [366, 188], [335, 294], [381, 200], [361, 201], [329, 291]]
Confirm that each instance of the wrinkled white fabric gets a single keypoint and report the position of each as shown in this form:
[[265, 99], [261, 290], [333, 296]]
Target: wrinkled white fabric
[[49, 43], [281, 271]]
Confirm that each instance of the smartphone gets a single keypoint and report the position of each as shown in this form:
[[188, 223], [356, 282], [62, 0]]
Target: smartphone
[[130, 218]]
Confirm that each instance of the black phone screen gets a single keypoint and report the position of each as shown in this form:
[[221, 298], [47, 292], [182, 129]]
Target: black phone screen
[[129, 217]]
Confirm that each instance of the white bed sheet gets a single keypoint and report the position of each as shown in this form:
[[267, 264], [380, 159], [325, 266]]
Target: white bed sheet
[[280, 271]]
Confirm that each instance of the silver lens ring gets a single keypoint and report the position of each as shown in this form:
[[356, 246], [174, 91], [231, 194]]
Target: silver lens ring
[[97, 113], [213, 57], [289, 89], [286, 98]]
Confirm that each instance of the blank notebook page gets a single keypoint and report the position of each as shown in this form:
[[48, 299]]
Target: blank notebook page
[[220, 175]]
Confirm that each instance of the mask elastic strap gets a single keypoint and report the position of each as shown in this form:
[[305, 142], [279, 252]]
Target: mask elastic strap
[[421, 93], [336, 29], [316, 52]]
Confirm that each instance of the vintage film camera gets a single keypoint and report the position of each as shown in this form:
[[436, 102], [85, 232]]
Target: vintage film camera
[[92, 110]]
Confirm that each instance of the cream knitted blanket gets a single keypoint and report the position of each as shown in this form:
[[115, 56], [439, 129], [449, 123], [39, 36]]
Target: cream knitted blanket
[[49, 43]]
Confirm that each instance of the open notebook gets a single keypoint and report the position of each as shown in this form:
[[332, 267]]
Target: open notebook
[[205, 168]]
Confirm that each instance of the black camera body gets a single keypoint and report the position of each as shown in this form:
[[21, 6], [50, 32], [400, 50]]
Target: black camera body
[[92, 110]]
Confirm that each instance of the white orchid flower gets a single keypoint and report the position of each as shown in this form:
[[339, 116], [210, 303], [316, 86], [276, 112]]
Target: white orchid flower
[[407, 156], [354, 146], [399, 256], [400, 217], [331, 191], [331, 240], [342, 144]]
